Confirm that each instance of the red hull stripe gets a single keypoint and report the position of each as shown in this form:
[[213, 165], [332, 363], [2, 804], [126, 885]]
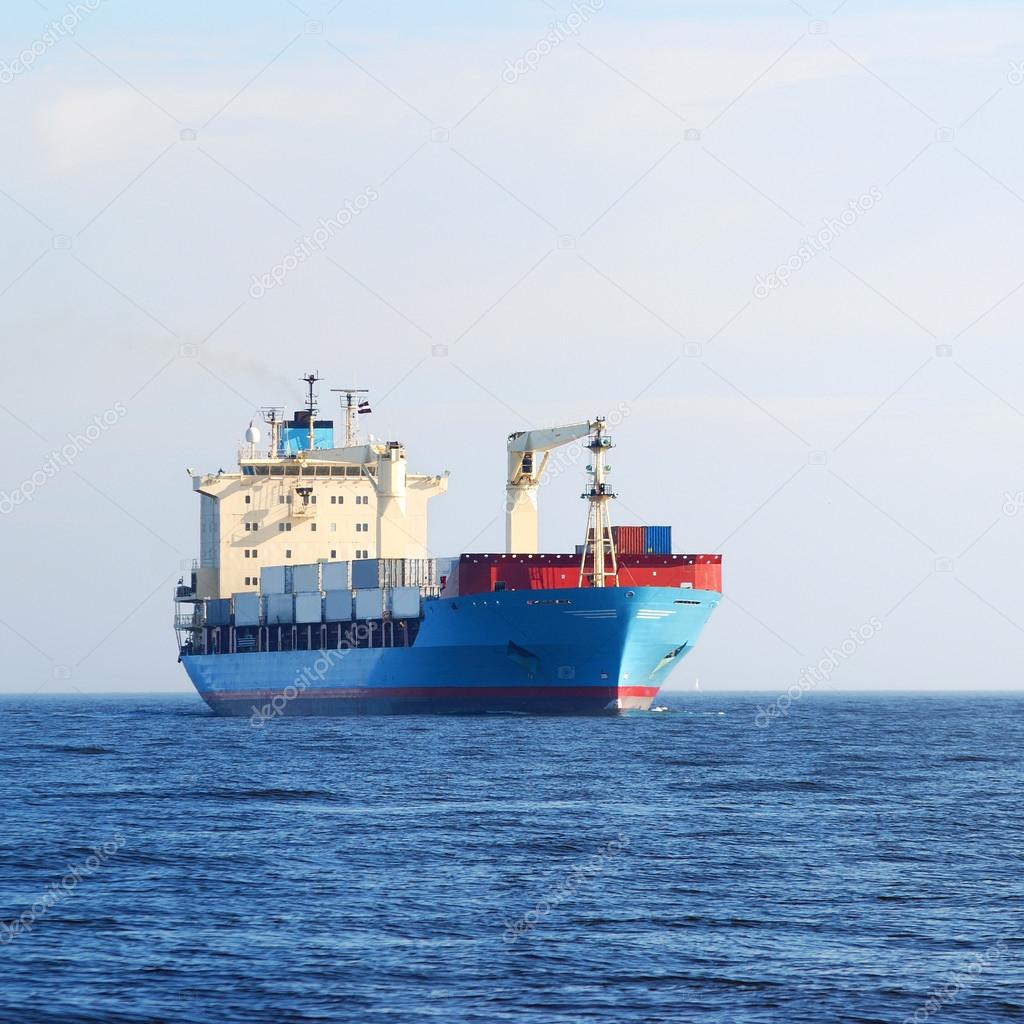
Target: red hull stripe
[[441, 692]]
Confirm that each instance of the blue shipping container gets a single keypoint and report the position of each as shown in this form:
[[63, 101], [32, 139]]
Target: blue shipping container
[[218, 612], [658, 540]]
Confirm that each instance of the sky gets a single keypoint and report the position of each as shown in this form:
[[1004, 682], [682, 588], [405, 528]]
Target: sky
[[560, 210]]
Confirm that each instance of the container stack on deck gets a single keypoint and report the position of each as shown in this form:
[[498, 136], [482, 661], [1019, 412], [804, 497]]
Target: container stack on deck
[[481, 574]]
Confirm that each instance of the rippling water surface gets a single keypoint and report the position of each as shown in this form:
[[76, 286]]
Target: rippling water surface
[[848, 863]]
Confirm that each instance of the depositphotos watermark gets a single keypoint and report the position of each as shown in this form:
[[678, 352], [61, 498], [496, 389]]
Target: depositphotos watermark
[[820, 241], [54, 32], [1013, 503], [559, 32], [577, 875], [310, 674], [62, 458], [966, 974], [60, 891], [326, 229], [831, 659]]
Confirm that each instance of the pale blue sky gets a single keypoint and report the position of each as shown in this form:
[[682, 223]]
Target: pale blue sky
[[590, 233]]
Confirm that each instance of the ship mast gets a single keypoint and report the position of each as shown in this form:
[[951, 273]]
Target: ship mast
[[273, 416], [311, 380], [598, 542], [353, 410]]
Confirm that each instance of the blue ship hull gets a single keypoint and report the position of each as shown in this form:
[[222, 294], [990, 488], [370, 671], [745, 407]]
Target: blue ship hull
[[568, 651]]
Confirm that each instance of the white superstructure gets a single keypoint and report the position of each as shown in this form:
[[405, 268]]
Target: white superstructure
[[313, 504]]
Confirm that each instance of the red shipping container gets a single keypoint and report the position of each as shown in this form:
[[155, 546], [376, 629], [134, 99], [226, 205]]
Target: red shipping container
[[629, 540], [483, 573]]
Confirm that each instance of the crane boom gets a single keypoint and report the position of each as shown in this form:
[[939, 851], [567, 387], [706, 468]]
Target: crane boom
[[525, 472]]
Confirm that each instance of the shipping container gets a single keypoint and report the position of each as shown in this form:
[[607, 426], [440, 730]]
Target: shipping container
[[338, 605], [275, 579], [370, 603], [280, 609], [218, 612], [657, 540], [336, 576], [404, 602], [479, 574], [305, 578], [629, 540], [309, 607], [367, 573], [248, 607]]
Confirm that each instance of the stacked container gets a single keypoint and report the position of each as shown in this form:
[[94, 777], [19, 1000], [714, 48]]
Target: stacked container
[[384, 573], [309, 607], [338, 605], [305, 578], [404, 602], [370, 603], [336, 576], [218, 612], [280, 609], [629, 540], [248, 609], [657, 540], [276, 579]]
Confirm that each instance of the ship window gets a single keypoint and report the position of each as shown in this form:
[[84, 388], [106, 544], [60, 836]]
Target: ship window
[[312, 527], [333, 527], [323, 470], [334, 553], [248, 499], [291, 470], [281, 500], [500, 586], [288, 553], [312, 498]]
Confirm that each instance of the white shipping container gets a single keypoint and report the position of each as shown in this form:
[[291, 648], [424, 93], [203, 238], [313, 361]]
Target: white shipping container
[[338, 605], [273, 580], [305, 578], [370, 603], [309, 607], [404, 602], [247, 609], [280, 609], [336, 576]]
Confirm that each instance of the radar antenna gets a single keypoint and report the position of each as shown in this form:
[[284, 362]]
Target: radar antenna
[[353, 410]]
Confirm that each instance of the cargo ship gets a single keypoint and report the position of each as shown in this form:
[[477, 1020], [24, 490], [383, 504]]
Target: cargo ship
[[316, 593]]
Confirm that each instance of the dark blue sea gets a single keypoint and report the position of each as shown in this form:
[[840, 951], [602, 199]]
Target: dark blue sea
[[860, 859]]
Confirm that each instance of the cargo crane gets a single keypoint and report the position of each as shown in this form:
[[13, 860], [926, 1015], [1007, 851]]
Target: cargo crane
[[528, 454]]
